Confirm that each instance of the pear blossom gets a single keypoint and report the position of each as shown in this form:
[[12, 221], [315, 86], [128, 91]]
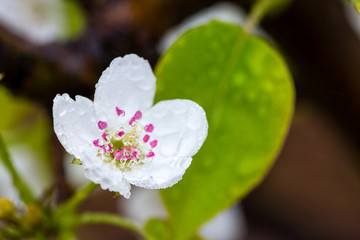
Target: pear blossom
[[38, 21], [121, 139]]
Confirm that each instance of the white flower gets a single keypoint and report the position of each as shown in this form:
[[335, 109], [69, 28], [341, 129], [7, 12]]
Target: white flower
[[121, 139], [39, 21]]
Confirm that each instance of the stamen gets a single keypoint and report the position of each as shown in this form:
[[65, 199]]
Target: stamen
[[104, 136], [132, 135], [150, 154], [134, 155], [146, 138], [102, 125], [120, 113], [132, 163], [117, 155], [96, 143], [149, 128], [103, 148], [138, 115], [125, 152], [132, 120], [123, 148], [153, 143]]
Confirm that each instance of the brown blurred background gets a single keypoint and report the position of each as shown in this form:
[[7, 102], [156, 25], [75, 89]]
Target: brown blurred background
[[313, 190]]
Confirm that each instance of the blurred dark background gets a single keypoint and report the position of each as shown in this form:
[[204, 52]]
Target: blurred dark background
[[313, 189]]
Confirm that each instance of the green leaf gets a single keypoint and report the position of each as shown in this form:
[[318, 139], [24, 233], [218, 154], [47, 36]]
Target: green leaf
[[157, 229], [356, 4], [14, 111], [247, 92]]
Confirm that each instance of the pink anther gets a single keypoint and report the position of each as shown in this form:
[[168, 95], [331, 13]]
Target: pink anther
[[138, 115], [102, 125], [149, 128], [150, 154], [117, 155], [153, 143], [121, 133], [96, 143], [132, 120], [134, 155], [104, 136], [146, 138], [109, 147], [120, 112]]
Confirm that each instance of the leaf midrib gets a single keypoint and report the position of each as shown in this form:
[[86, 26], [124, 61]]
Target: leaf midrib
[[224, 83]]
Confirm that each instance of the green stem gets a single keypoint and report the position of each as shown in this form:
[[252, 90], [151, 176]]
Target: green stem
[[90, 218], [67, 235], [64, 216], [40, 236], [24, 191], [77, 198], [259, 10]]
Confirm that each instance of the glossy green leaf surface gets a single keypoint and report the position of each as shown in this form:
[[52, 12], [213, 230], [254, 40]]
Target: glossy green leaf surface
[[157, 229], [247, 93]]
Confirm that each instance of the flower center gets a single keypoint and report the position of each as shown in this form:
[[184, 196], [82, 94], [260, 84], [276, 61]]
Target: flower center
[[127, 146]]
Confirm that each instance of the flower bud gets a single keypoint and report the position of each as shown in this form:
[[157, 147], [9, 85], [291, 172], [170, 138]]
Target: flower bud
[[32, 218], [7, 208]]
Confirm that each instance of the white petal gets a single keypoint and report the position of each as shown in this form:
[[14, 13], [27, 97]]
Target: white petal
[[75, 124], [128, 83], [161, 173], [180, 126], [109, 177]]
